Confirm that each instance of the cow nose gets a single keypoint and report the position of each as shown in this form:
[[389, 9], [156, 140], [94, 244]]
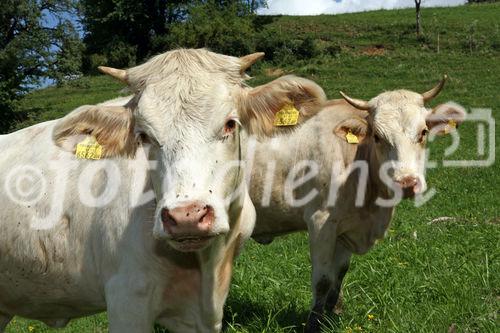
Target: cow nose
[[189, 217], [410, 185]]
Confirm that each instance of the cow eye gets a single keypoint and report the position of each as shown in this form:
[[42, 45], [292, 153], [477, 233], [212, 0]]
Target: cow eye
[[229, 126], [144, 138], [423, 134]]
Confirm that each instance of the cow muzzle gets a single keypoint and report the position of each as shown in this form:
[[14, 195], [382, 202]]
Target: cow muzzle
[[189, 225], [410, 185]]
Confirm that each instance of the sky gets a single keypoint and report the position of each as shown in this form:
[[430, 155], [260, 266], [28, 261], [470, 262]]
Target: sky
[[316, 7]]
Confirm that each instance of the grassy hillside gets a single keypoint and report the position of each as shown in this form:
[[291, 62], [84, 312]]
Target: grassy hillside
[[425, 276]]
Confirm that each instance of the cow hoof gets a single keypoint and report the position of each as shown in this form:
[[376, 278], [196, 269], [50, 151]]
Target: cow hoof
[[264, 240], [56, 323], [313, 324], [4, 321]]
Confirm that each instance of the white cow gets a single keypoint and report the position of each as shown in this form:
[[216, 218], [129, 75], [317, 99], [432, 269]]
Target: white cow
[[147, 232], [392, 129]]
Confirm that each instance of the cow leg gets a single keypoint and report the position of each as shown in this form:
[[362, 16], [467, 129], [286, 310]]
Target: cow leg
[[322, 237], [4, 321], [330, 261], [343, 256], [128, 301]]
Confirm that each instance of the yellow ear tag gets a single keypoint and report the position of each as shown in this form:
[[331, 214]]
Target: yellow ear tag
[[287, 116], [89, 149], [450, 126], [351, 138]]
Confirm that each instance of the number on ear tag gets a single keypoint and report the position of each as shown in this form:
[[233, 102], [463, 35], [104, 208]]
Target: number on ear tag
[[89, 149], [287, 116]]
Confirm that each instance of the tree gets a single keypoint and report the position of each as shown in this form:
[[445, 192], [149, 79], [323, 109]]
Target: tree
[[417, 9], [222, 26], [253, 5], [140, 28], [122, 30], [28, 47], [66, 60]]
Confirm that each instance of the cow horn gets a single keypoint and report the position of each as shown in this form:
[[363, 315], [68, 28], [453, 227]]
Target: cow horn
[[357, 103], [428, 95], [119, 74], [249, 60]]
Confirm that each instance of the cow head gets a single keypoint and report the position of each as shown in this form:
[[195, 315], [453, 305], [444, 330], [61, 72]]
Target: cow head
[[399, 125], [190, 107]]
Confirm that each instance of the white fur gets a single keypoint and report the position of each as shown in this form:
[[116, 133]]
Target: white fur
[[116, 257]]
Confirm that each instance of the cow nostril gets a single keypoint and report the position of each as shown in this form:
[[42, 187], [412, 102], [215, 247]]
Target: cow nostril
[[413, 182], [166, 218], [208, 215], [407, 182]]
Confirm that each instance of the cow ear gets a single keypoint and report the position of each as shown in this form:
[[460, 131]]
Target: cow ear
[[352, 130], [444, 118], [111, 126], [292, 99]]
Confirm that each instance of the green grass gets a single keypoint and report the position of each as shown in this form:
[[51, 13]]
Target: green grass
[[424, 276]]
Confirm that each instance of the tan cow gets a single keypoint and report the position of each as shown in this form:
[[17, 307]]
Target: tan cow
[[125, 207], [344, 193]]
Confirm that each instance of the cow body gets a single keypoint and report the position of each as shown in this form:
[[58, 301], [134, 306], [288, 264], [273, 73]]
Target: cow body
[[336, 229], [386, 165], [93, 259]]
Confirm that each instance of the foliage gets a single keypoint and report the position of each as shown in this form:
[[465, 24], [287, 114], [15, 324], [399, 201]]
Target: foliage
[[68, 55], [31, 50], [142, 28], [127, 24], [222, 26], [279, 46], [307, 48]]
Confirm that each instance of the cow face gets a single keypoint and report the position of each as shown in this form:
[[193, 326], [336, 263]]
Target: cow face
[[191, 107], [400, 124], [195, 141]]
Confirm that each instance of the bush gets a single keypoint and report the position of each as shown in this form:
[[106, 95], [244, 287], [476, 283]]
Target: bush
[[283, 48], [119, 54], [333, 50], [307, 49], [223, 30], [91, 62], [279, 47], [116, 54]]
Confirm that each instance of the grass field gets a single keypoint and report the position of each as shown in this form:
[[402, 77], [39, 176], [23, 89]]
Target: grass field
[[424, 277]]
